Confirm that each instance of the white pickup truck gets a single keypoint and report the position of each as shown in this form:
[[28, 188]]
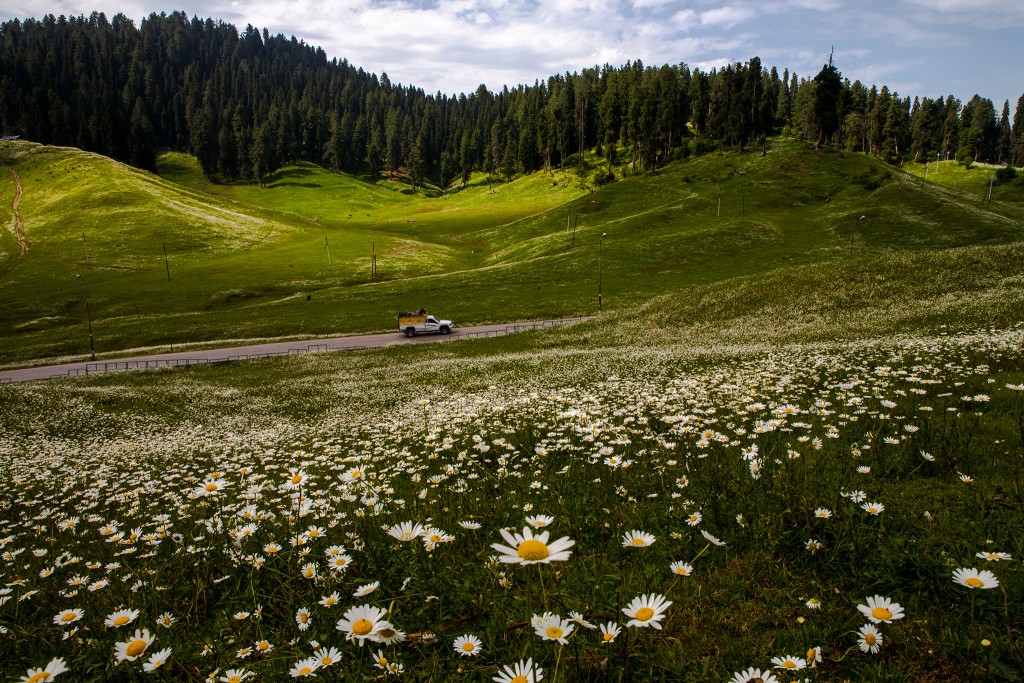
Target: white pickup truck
[[420, 322]]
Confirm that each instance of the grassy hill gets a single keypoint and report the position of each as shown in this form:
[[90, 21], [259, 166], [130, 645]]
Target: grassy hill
[[252, 263], [805, 393]]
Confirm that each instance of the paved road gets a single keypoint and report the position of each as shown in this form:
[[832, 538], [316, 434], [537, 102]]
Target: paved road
[[189, 358]]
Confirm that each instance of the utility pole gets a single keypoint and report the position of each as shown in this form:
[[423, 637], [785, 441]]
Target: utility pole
[[719, 202], [600, 270], [88, 316], [88, 264], [853, 233], [990, 181], [373, 261], [167, 264], [329, 267]]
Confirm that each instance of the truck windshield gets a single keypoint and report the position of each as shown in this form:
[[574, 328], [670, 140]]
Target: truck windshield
[[431, 320]]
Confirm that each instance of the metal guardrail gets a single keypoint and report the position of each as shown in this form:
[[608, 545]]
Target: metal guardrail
[[154, 363], [522, 327]]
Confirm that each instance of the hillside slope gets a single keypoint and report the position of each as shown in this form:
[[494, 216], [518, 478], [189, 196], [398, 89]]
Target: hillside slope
[[735, 228]]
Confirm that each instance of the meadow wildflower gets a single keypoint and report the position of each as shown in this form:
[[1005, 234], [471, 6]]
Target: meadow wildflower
[[366, 589], [526, 548], [406, 531], [540, 521], [555, 628], [609, 632], [753, 675], [881, 610], [362, 623], [134, 647], [156, 660], [694, 519], [68, 616], [577, 618], [330, 600], [870, 640], [520, 672], [236, 676], [646, 610], [302, 618], [873, 508], [823, 513], [468, 645], [993, 557], [54, 668], [121, 618], [327, 656], [789, 662], [813, 603], [304, 668], [681, 568], [972, 578], [637, 539], [711, 539]]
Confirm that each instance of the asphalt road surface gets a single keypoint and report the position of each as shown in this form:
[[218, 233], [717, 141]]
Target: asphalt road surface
[[189, 358]]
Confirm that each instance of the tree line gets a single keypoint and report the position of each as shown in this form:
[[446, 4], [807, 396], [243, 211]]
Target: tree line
[[246, 103]]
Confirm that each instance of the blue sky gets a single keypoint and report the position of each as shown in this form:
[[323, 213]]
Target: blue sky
[[916, 47]]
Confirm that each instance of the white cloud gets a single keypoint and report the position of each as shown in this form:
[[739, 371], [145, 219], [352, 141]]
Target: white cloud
[[727, 16], [453, 45]]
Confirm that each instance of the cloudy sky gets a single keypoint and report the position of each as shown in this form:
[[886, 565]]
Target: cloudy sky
[[916, 47]]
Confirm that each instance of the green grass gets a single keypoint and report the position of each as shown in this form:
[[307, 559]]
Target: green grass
[[476, 255]]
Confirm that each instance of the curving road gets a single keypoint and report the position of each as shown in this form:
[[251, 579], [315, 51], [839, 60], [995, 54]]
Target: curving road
[[189, 358]]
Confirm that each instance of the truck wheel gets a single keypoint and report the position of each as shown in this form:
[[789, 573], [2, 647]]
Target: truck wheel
[[410, 332], [445, 330]]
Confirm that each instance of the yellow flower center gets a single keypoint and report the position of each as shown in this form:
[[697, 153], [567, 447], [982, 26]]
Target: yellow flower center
[[870, 639], [305, 671], [607, 637], [326, 661], [234, 679], [70, 616], [263, 645], [135, 648], [644, 613], [533, 550], [520, 679], [468, 647], [974, 582], [789, 664], [638, 541], [121, 620], [297, 479], [362, 627], [383, 661], [554, 632], [41, 676], [681, 570], [812, 654], [211, 487], [881, 613]]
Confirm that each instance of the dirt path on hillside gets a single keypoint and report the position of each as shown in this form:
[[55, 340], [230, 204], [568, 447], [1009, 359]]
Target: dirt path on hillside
[[19, 222]]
